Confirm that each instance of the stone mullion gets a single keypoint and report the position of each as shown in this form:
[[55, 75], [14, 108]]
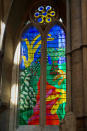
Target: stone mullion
[[43, 84]]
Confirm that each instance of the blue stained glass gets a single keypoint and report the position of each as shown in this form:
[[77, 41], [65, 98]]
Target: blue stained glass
[[61, 60], [48, 19], [38, 39], [63, 37], [44, 13], [49, 59], [63, 40], [52, 13], [58, 41], [29, 77], [48, 8], [39, 20], [55, 76], [41, 8], [30, 36], [62, 32], [37, 14], [30, 33], [37, 55]]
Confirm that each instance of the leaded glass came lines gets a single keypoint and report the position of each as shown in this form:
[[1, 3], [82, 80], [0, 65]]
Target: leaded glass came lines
[[44, 14], [29, 77], [56, 77]]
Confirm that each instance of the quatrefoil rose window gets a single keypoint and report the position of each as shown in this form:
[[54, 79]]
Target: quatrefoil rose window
[[44, 14]]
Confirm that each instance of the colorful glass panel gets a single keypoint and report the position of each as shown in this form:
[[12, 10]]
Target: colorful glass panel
[[56, 76], [44, 14], [29, 97]]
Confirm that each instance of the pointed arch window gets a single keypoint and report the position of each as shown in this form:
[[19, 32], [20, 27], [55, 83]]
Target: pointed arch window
[[42, 77], [29, 75]]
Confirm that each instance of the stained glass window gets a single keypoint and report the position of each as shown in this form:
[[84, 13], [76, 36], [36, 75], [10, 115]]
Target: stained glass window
[[44, 14], [29, 77], [56, 76], [29, 97], [30, 71]]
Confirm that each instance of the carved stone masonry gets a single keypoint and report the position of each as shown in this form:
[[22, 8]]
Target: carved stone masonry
[[69, 123]]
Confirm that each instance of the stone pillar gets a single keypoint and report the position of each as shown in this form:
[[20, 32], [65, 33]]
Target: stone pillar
[[77, 89], [84, 56], [84, 49], [77, 27], [6, 81]]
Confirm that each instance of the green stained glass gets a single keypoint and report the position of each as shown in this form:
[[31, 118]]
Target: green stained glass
[[56, 76], [29, 77]]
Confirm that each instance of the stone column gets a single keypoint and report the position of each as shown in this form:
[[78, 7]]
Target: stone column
[[84, 56], [76, 41]]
